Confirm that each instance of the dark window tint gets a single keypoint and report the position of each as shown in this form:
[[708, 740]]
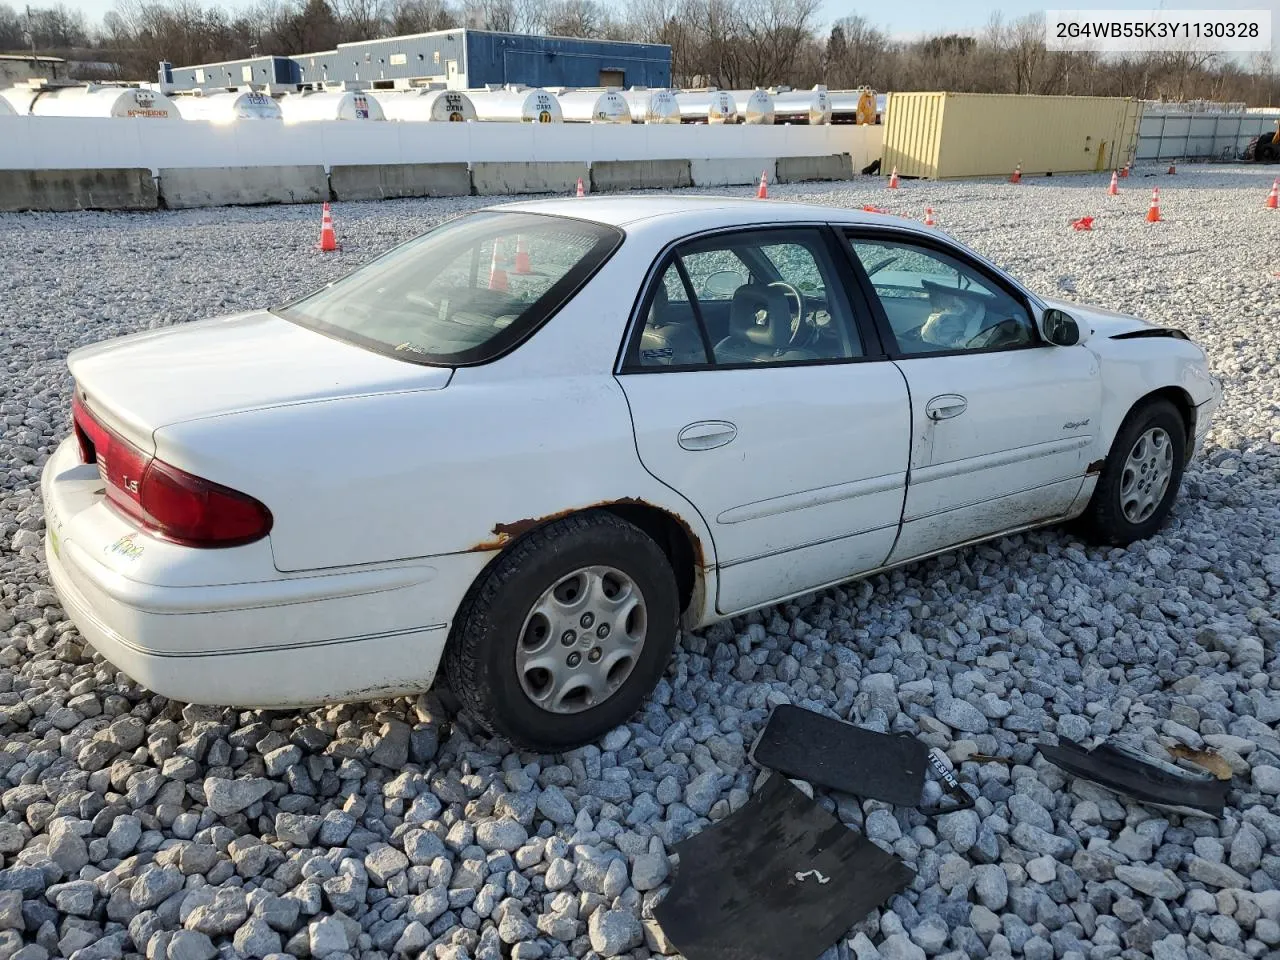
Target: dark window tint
[[463, 293]]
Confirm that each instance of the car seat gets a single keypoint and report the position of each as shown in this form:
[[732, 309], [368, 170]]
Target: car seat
[[759, 328]]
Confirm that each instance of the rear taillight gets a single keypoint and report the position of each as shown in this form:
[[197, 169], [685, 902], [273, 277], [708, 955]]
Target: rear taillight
[[166, 500]]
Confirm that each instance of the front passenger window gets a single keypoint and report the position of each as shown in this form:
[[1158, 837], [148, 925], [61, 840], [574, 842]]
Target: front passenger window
[[935, 303]]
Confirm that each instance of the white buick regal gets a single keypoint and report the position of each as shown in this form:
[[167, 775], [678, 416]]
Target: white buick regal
[[531, 444]]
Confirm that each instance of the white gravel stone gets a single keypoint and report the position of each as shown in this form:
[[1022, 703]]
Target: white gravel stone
[[327, 936], [614, 932], [1267, 779], [231, 796], [1161, 884]]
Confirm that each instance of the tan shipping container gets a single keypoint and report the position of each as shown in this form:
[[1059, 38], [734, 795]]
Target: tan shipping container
[[942, 136]]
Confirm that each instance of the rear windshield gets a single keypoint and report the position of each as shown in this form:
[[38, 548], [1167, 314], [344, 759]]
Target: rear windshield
[[463, 293]]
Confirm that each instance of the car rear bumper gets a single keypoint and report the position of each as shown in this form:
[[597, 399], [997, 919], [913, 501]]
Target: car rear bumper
[[286, 641]]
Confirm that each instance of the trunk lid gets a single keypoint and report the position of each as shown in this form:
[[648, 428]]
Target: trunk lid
[[227, 365]]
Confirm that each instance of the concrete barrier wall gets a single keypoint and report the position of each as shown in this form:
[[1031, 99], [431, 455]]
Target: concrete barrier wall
[[256, 162], [60, 190], [183, 187], [730, 172], [383, 181], [618, 175], [837, 166], [500, 179]]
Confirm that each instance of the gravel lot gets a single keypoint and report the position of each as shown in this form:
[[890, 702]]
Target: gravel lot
[[132, 825]]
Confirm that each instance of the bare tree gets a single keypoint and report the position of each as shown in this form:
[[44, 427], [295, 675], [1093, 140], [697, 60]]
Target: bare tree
[[1175, 70], [422, 16], [858, 52], [1033, 64], [362, 19], [772, 34], [492, 15], [11, 29], [574, 18]]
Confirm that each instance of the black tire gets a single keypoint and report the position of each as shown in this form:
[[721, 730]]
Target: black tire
[[1104, 521], [480, 657]]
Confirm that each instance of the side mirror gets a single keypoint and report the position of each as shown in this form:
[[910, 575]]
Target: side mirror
[[1060, 328]]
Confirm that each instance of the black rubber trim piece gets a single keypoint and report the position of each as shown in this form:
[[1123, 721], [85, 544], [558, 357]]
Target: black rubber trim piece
[[780, 878], [1139, 775], [1170, 332]]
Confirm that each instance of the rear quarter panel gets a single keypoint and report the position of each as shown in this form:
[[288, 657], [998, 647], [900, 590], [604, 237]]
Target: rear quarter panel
[[400, 476]]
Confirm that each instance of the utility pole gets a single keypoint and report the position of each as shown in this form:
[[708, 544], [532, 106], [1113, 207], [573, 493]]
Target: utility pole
[[31, 34]]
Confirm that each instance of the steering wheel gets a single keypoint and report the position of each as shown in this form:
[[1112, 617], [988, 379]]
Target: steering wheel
[[798, 319], [988, 337]]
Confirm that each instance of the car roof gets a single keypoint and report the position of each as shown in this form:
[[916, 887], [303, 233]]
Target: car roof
[[681, 212]]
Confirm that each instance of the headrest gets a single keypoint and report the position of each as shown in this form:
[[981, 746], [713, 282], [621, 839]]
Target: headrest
[[761, 314], [942, 296]]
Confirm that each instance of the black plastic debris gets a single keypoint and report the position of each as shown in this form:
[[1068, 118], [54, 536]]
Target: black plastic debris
[[837, 755], [779, 878], [1139, 775]]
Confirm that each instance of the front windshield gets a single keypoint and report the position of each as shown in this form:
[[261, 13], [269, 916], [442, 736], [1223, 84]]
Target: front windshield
[[465, 292]]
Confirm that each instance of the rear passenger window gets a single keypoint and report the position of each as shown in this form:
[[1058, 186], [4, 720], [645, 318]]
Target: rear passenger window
[[715, 274], [670, 336], [754, 297]]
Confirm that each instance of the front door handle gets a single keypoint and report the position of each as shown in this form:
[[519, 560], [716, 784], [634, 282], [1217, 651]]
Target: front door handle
[[707, 434], [946, 406]]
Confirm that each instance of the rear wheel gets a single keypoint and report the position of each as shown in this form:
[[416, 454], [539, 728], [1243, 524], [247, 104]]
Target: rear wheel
[[1141, 476], [561, 639]]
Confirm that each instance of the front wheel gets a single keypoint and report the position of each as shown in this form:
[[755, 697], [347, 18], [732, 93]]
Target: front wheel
[[1140, 477], [564, 635]]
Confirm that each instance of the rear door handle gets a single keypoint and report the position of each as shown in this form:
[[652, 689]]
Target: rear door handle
[[946, 406], [707, 435]]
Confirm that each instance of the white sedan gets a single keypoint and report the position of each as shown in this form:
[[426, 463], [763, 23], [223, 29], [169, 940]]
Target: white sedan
[[533, 443]]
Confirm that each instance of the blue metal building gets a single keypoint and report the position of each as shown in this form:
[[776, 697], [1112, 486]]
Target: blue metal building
[[236, 73], [462, 59]]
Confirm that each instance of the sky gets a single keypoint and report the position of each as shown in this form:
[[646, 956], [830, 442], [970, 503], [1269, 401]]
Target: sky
[[918, 17]]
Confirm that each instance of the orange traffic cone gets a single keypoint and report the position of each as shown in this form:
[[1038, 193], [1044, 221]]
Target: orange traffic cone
[[523, 267], [1273, 198], [581, 192], [928, 217], [870, 209], [1084, 223], [762, 193], [1115, 184], [1016, 176], [1124, 171], [1153, 212], [497, 275], [328, 238], [893, 179], [1172, 169]]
